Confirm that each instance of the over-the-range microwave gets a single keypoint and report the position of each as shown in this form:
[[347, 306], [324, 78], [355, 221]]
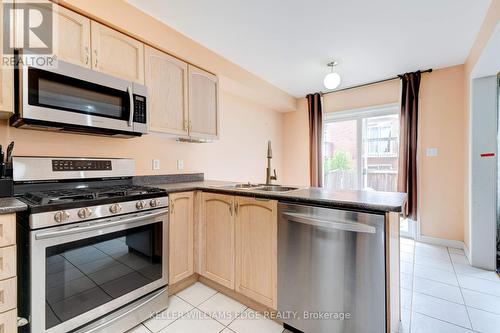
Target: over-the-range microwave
[[72, 98]]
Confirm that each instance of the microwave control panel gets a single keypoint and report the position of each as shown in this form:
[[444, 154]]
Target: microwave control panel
[[139, 109]]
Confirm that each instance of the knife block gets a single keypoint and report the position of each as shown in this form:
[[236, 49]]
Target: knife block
[[6, 187]]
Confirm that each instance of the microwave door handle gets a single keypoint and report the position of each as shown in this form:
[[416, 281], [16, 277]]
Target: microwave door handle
[[131, 108]]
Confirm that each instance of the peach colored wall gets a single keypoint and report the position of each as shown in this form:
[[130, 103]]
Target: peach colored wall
[[442, 126], [249, 112], [487, 28], [442, 119], [240, 154]]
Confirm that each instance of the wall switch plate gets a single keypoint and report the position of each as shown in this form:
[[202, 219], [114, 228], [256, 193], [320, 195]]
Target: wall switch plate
[[156, 164], [432, 152], [180, 164]]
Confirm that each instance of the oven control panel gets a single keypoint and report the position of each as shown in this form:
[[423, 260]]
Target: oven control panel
[[81, 165]]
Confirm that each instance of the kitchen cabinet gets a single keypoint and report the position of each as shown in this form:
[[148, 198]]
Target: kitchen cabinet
[[6, 83], [181, 233], [167, 82], [217, 261], [203, 104], [8, 280], [256, 249], [116, 54]]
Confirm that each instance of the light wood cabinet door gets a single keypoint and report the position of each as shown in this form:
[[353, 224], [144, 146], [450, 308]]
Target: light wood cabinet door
[[217, 216], [203, 104], [167, 82], [181, 243], [73, 37], [6, 82], [7, 229], [116, 54], [256, 249], [8, 321]]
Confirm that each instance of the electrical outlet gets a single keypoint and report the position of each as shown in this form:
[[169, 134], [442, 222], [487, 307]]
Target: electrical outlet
[[432, 152], [180, 164], [156, 164]]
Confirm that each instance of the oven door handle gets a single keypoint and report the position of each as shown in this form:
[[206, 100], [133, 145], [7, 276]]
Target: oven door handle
[[98, 225], [131, 107]]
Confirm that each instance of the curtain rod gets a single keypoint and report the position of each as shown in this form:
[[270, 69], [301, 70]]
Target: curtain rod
[[370, 83]]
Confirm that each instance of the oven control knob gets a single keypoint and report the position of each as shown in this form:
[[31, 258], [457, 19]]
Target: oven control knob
[[140, 205], [61, 216], [84, 213], [115, 208], [154, 203]]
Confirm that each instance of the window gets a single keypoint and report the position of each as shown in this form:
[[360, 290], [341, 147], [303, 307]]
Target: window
[[361, 149]]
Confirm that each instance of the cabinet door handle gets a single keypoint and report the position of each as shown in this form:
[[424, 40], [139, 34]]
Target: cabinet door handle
[[86, 55], [231, 208], [172, 207], [236, 208], [95, 54]]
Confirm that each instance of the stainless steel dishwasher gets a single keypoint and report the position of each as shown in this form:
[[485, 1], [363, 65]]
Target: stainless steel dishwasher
[[331, 270]]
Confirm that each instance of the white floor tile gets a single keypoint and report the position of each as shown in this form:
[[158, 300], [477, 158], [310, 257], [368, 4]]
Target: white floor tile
[[441, 309], [406, 281], [484, 322], [194, 321], [436, 274], [405, 320], [407, 248], [222, 308], [424, 324], [456, 251], [482, 301], [406, 257], [196, 294], [434, 263], [406, 267], [481, 285], [466, 269], [432, 252], [227, 330], [176, 309], [438, 289], [459, 259], [139, 329], [251, 322], [406, 296], [408, 241]]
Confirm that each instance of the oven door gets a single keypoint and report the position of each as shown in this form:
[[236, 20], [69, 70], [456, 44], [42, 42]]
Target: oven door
[[84, 271], [79, 96]]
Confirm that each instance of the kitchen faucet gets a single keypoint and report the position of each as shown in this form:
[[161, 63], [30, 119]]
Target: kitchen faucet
[[269, 177]]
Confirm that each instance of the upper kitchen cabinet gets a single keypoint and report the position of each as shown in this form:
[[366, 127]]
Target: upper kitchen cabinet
[[116, 54], [167, 82], [256, 249], [217, 253], [6, 83], [203, 104]]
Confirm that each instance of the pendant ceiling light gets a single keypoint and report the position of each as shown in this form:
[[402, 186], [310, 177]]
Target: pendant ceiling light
[[332, 79]]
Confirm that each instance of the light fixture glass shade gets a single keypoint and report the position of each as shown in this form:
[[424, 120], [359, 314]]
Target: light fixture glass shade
[[332, 80]]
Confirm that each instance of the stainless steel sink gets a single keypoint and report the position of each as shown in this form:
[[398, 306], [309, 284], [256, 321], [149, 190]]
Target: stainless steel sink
[[276, 188], [246, 186]]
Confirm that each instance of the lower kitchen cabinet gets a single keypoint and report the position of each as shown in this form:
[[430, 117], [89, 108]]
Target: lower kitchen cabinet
[[239, 245], [8, 280], [217, 254], [181, 233], [256, 249]]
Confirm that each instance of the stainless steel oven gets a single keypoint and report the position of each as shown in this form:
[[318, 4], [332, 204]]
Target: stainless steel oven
[[80, 272], [77, 99]]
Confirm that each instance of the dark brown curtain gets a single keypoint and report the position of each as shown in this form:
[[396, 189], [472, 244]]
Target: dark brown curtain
[[407, 178], [315, 139]]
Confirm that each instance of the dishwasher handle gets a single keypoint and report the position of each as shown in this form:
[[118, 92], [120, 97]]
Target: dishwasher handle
[[329, 224]]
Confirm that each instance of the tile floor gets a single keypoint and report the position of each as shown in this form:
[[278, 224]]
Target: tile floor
[[441, 293]]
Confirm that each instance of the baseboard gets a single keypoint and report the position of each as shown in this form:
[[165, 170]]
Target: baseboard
[[442, 242]]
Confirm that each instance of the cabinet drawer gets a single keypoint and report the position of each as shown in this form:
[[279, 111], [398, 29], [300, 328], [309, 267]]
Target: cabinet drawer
[[8, 294], [8, 321], [7, 230], [7, 262]]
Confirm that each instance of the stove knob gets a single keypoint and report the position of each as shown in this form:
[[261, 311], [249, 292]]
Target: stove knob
[[61, 216], [140, 205], [154, 203], [84, 213], [115, 208]]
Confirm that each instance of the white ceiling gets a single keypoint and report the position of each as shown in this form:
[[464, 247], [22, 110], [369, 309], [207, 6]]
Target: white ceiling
[[289, 42]]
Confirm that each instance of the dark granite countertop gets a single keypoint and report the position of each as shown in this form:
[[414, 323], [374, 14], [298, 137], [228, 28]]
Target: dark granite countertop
[[379, 202], [11, 205]]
